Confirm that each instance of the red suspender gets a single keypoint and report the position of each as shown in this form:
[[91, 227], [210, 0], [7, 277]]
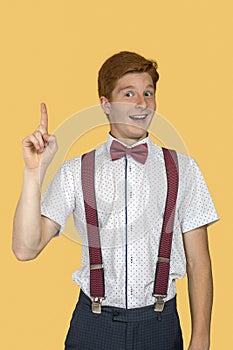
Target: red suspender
[[163, 262], [96, 265]]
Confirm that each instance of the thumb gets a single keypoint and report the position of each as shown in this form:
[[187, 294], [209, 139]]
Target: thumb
[[46, 137], [50, 140]]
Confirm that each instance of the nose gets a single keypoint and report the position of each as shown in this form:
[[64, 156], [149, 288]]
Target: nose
[[141, 102]]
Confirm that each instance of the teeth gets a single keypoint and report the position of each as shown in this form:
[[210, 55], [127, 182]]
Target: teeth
[[138, 116]]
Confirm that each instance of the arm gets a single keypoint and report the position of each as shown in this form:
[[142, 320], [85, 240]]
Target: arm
[[31, 231], [200, 286]]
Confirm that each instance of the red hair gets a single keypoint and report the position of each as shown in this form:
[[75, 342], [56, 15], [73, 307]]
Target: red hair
[[120, 64]]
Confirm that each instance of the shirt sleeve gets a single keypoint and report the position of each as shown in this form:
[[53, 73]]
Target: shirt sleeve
[[197, 208], [58, 201]]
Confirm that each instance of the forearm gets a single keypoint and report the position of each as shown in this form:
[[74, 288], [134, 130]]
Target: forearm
[[200, 286], [27, 232]]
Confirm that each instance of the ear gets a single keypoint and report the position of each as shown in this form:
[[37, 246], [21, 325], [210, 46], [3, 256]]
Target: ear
[[105, 104]]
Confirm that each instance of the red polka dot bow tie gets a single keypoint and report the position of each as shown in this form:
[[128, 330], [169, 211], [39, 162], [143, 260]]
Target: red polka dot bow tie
[[139, 153]]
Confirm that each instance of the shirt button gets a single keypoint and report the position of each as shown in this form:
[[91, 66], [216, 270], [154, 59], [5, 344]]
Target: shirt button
[[116, 313]]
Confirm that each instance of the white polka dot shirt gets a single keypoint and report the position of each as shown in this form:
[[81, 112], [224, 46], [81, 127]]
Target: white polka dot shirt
[[125, 187]]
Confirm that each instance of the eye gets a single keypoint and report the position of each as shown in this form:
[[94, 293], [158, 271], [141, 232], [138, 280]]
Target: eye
[[129, 94], [148, 93]]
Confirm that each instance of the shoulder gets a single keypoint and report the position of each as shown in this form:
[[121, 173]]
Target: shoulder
[[185, 161], [73, 165]]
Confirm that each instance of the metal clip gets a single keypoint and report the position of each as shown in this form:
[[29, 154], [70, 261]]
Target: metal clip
[[96, 305], [96, 266], [165, 260], [159, 302]]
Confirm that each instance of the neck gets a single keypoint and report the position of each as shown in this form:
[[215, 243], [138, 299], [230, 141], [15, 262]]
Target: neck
[[129, 141]]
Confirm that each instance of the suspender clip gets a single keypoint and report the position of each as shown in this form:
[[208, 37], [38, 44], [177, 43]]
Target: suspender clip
[[159, 302], [96, 305], [96, 266]]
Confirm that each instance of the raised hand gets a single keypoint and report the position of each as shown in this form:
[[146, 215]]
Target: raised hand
[[39, 148]]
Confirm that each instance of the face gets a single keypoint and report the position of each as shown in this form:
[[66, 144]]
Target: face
[[131, 107]]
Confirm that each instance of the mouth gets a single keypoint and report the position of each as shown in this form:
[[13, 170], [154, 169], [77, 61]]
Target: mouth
[[138, 117]]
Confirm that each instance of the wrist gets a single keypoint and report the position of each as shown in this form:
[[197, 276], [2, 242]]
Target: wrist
[[35, 175], [199, 343]]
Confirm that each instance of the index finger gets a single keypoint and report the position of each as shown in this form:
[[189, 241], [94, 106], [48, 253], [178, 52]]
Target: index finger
[[44, 116]]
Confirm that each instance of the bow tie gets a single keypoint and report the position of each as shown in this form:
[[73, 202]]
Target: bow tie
[[139, 153]]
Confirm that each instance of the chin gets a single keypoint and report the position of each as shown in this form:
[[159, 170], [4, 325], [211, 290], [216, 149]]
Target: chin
[[136, 134]]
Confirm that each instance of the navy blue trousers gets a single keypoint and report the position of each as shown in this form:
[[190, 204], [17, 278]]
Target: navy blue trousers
[[122, 329]]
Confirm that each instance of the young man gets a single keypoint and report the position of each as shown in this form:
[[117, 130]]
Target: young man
[[130, 187]]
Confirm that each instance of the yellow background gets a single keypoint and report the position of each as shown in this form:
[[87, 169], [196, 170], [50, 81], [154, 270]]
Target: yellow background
[[51, 51]]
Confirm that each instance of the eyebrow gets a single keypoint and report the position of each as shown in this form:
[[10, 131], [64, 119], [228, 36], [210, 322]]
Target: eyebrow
[[133, 87]]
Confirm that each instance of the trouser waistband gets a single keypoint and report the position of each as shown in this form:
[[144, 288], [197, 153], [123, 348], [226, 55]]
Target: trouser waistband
[[127, 315]]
